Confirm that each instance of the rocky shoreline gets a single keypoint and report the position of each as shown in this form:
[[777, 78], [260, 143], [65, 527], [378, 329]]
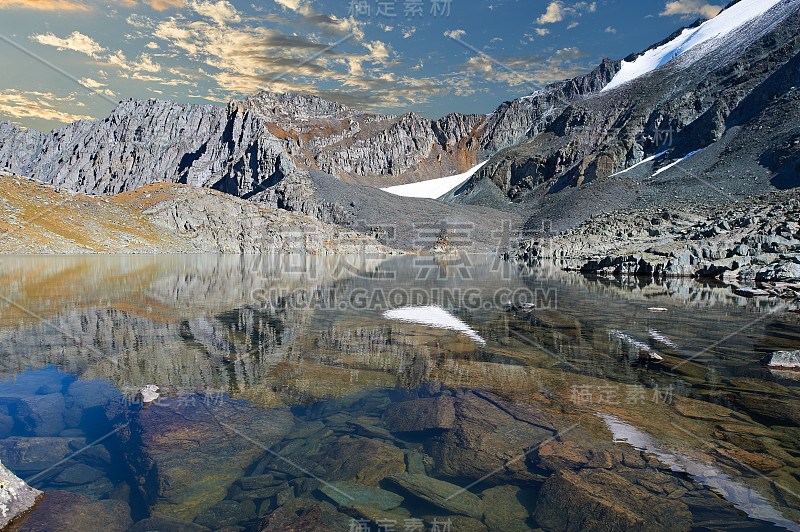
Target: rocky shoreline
[[753, 244]]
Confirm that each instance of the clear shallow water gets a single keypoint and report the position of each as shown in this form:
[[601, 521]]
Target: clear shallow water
[[406, 392]]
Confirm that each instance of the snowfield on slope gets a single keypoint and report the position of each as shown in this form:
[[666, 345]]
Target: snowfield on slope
[[727, 21], [433, 188]]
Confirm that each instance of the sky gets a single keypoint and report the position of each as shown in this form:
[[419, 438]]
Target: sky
[[66, 60]]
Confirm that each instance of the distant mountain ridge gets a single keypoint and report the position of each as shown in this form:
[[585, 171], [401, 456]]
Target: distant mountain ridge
[[254, 143], [557, 155]]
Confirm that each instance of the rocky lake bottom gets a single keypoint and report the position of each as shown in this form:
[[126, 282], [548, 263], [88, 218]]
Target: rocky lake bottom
[[392, 393]]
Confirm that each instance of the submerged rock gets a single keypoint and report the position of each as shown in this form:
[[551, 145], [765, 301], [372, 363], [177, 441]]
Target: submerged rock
[[355, 494], [77, 474], [16, 498], [37, 454], [445, 495], [365, 460], [486, 438], [421, 414], [42, 415], [164, 524], [503, 508], [226, 513], [308, 520], [598, 500], [70, 512], [185, 457]]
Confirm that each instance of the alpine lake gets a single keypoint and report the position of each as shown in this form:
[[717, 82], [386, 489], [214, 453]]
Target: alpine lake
[[354, 393]]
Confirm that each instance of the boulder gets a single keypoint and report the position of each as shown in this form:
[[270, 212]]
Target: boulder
[[70, 512], [365, 460], [556, 456], [421, 414], [447, 496], [783, 360], [77, 474], [226, 513], [6, 425], [599, 500], [310, 519], [17, 499]]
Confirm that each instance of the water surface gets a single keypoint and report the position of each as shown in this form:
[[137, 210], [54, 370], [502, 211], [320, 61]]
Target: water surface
[[391, 394]]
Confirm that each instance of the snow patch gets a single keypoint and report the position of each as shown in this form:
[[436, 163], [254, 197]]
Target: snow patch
[[727, 21], [433, 316], [643, 161], [676, 162], [433, 188], [658, 337]]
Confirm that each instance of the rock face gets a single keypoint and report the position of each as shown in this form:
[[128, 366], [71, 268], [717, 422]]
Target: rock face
[[16, 498], [254, 143]]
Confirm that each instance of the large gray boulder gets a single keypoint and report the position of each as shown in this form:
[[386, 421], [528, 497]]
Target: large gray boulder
[[16, 498]]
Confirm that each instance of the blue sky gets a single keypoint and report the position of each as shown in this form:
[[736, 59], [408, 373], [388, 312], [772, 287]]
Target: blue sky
[[63, 60]]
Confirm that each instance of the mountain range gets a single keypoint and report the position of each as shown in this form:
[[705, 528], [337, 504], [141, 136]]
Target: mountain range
[[709, 115]]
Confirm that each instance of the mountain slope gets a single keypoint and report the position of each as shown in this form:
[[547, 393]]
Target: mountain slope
[[159, 218], [688, 104]]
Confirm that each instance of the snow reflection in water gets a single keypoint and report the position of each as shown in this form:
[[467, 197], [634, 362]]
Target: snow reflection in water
[[433, 316], [742, 497]]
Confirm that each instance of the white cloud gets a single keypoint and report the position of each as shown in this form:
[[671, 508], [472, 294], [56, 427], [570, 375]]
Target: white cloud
[[554, 13], [610, 30], [298, 6], [689, 8], [221, 12], [41, 105], [455, 34], [409, 33], [542, 31], [76, 42], [152, 45], [558, 11]]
